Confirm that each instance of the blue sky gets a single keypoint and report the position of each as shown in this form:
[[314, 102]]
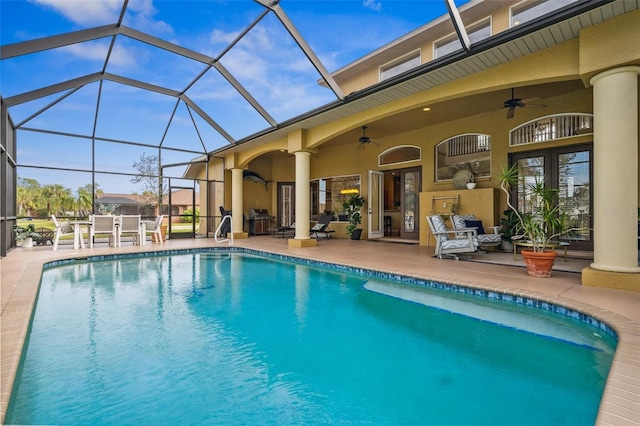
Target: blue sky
[[266, 62]]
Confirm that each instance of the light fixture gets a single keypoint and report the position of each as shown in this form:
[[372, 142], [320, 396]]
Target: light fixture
[[349, 191], [426, 109]]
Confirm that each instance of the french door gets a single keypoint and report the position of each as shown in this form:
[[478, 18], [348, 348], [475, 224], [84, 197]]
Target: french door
[[376, 204], [286, 203], [411, 182], [569, 171]]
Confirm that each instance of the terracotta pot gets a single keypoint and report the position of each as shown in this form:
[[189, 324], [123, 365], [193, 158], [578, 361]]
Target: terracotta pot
[[539, 264]]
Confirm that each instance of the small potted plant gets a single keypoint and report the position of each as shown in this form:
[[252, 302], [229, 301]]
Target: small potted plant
[[352, 206], [26, 234], [539, 228]]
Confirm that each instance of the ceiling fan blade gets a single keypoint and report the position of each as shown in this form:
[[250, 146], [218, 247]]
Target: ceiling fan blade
[[528, 100], [536, 106], [511, 112]]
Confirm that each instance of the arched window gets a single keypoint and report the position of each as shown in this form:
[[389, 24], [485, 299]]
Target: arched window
[[551, 127], [399, 154], [471, 151]]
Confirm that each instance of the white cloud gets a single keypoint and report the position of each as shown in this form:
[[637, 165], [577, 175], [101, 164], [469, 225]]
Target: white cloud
[[141, 13], [97, 51], [219, 36], [372, 4], [85, 13]]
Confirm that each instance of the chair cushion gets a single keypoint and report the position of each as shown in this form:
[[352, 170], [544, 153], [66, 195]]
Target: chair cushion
[[475, 224], [459, 220], [486, 239], [438, 225], [457, 243], [317, 227]]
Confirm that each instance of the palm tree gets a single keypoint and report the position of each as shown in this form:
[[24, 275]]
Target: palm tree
[[28, 195], [85, 199], [58, 198]]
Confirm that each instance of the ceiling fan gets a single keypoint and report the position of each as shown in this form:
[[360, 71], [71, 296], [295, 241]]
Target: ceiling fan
[[514, 102], [364, 139]]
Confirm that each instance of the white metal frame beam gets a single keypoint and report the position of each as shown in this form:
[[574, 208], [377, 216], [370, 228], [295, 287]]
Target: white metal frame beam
[[458, 25]]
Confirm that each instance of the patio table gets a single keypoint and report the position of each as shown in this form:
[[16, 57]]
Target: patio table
[[78, 241]]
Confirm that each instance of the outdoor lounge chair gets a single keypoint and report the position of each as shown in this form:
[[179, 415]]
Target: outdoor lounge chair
[[483, 239], [62, 228], [283, 231], [322, 227], [449, 241]]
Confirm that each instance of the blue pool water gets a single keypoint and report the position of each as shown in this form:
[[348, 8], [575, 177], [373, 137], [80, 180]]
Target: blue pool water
[[234, 339]]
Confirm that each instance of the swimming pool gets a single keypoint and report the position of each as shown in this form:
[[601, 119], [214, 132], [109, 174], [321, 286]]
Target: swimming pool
[[227, 338]]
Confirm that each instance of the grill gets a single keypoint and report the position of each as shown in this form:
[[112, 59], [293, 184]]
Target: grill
[[259, 221]]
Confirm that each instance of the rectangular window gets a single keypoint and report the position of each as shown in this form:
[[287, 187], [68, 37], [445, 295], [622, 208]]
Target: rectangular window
[[530, 9], [478, 31], [400, 65], [328, 194]]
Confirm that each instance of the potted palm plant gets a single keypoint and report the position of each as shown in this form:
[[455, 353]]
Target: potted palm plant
[[26, 234], [539, 228], [352, 206]]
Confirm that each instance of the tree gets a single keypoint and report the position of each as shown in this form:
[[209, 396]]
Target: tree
[[152, 186], [85, 198], [28, 196], [58, 199]]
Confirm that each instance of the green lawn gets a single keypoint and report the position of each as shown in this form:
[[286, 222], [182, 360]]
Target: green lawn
[[38, 223], [183, 227]]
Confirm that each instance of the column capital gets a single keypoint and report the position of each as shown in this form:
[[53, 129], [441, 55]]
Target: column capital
[[613, 71]]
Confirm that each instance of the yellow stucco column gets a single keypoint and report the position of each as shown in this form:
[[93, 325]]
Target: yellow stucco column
[[303, 166], [615, 180], [237, 206]]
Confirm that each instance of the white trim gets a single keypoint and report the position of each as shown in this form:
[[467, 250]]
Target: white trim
[[394, 148]]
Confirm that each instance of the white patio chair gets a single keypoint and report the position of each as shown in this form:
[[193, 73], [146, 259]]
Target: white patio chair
[[154, 228], [446, 241], [62, 228], [103, 225], [130, 224]]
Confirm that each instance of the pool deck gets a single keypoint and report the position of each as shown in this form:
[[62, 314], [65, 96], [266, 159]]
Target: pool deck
[[20, 273]]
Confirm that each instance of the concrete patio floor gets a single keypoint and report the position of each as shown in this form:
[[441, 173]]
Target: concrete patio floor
[[20, 273]]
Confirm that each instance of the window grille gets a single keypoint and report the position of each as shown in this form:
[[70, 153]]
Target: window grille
[[469, 151], [468, 144], [551, 128]]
